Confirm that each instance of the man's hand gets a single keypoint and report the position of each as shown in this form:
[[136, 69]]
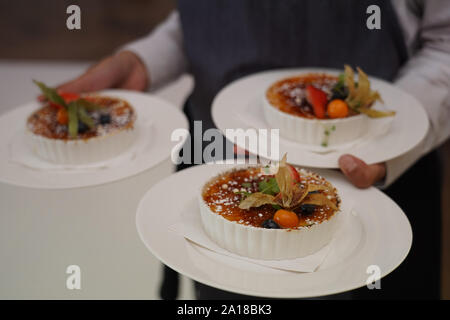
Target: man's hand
[[359, 173], [123, 70]]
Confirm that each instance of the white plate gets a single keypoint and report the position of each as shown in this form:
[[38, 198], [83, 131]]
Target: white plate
[[164, 119], [408, 127], [379, 234]]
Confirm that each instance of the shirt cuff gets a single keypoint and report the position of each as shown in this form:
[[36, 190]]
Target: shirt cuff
[[161, 51]]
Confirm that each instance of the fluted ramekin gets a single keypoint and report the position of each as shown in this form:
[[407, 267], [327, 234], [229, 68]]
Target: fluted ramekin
[[266, 244], [329, 132], [81, 151]]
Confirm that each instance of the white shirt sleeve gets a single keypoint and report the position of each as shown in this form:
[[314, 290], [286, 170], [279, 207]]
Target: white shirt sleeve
[[427, 77], [162, 51]]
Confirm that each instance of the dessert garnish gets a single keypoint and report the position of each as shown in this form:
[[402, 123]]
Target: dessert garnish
[[318, 100], [286, 191], [360, 97], [325, 96], [73, 110]]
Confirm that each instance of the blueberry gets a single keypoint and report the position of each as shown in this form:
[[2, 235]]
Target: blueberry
[[105, 118], [82, 127], [339, 93], [307, 208], [270, 224]]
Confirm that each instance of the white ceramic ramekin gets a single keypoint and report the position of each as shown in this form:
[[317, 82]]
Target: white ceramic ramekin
[[314, 131], [81, 151], [266, 244]]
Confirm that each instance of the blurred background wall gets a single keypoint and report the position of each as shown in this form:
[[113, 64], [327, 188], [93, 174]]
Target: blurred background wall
[[37, 30]]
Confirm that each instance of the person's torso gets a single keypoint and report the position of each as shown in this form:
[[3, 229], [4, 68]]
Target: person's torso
[[225, 40]]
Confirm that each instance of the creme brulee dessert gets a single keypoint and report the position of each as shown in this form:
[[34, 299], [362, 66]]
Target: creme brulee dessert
[[322, 109], [253, 213], [74, 129]]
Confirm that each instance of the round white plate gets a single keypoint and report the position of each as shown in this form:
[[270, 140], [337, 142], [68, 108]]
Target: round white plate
[[409, 126], [376, 233], [164, 119]]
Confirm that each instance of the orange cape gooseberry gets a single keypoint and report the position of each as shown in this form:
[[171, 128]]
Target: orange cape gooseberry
[[337, 108], [286, 218]]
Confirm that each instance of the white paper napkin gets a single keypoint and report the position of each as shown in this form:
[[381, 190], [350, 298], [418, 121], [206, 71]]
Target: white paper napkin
[[190, 227]]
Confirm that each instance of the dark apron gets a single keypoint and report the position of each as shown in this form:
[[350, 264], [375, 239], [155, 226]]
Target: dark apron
[[225, 40]]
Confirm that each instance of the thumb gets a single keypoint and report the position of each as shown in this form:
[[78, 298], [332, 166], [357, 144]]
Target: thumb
[[360, 173]]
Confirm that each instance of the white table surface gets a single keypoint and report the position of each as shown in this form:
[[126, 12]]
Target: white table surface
[[44, 231]]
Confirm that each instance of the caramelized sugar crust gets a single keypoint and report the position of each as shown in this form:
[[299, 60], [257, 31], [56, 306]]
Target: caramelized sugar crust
[[224, 193], [44, 121], [289, 95]]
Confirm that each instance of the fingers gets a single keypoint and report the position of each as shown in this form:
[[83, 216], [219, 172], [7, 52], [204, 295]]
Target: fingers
[[123, 70], [101, 76], [360, 173], [78, 85]]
